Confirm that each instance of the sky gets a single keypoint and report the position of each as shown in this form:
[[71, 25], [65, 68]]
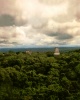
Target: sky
[[39, 23]]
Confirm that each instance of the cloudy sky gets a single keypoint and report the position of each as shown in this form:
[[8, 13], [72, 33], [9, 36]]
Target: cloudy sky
[[33, 23]]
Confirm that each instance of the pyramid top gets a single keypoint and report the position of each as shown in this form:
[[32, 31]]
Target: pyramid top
[[56, 51]]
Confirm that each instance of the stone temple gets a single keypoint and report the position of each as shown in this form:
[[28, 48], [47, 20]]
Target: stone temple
[[56, 52]]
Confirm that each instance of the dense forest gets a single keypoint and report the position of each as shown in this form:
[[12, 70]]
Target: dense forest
[[40, 76]]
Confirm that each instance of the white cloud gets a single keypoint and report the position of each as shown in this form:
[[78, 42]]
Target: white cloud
[[42, 22]]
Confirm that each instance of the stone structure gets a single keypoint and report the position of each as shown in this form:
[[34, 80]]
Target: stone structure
[[28, 52], [56, 52]]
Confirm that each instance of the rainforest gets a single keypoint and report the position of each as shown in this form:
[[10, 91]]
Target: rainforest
[[40, 76]]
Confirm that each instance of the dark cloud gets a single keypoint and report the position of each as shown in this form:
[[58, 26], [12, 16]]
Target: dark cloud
[[52, 33], [64, 36], [6, 20], [60, 36], [15, 43], [4, 41]]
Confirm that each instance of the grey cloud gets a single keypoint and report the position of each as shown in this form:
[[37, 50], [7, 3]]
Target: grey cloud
[[64, 36], [3, 41], [58, 33], [6, 20], [39, 27], [7, 42], [11, 36], [51, 33], [60, 36], [15, 43]]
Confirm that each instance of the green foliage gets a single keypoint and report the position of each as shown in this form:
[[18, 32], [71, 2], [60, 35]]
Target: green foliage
[[40, 76], [77, 69]]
